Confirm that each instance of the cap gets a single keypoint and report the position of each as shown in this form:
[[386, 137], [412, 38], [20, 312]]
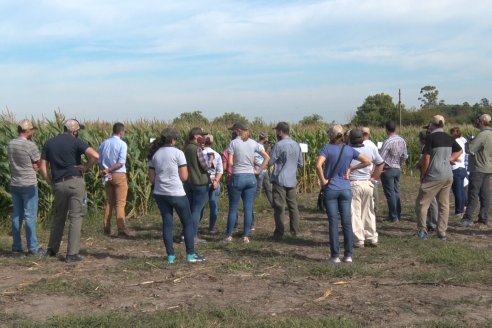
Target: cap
[[73, 125], [437, 120], [356, 137], [239, 126], [263, 135], [196, 131], [485, 118], [282, 126], [366, 130], [335, 131], [25, 125]]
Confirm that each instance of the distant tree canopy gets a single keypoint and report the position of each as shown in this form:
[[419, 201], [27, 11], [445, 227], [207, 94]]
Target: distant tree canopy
[[230, 119], [311, 120], [375, 111], [379, 108], [192, 118]]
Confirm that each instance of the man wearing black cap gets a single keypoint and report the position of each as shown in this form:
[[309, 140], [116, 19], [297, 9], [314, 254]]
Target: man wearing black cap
[[197, 185], [286, 155], [62, 155]]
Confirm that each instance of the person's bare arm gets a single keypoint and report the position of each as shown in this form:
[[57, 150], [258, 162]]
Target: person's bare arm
[[43, 168]]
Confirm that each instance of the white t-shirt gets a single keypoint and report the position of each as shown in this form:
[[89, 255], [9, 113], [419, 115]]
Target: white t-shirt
[[244, 155], [461, 160], [370, 150], [166, 162]]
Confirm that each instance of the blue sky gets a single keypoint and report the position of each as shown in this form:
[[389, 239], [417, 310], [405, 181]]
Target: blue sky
[[278, 60]]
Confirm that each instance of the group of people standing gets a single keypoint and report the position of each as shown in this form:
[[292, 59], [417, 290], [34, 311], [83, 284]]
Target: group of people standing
[[349, 167]]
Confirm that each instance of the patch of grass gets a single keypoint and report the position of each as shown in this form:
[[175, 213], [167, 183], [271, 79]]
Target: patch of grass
[[75, 287], [215, 317]]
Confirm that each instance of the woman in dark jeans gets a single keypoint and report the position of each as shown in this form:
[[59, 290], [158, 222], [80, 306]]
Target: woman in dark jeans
[[333, 169], [167, 172], [459, 174]]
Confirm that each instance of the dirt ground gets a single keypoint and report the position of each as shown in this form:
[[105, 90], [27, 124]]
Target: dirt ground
[[269, 279]]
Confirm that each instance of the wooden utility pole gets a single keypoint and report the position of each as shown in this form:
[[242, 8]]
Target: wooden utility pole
[[399, 104]]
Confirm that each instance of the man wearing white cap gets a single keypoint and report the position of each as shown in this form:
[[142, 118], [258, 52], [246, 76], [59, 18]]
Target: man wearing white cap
[[62, 155], [439, 152], [23, 155], [480, 172]]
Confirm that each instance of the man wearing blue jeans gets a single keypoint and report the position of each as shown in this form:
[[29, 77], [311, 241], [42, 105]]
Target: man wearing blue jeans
[[394, 154], [24, 156]]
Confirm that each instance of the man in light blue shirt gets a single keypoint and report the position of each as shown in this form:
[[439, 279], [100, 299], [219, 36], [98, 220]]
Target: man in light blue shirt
[[112, 159], [286, 155]]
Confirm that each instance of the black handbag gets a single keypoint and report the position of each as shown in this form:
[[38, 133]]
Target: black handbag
[[321, 204]]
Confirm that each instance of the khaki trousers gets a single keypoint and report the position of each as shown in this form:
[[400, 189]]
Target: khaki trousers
[[428, 190], [363, 215], [69, 201], [116, 192], [285, 196]]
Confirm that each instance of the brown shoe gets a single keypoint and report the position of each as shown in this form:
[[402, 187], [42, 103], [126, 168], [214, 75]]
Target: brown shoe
[[107, 231], [127, 234]]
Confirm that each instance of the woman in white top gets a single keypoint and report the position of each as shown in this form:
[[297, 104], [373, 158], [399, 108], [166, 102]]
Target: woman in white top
[[243, 180], [167, 172], [459, 174]]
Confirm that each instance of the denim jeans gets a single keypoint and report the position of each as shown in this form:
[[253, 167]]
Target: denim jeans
[[478, 189], [166, 205], [213, 203], [263, 181], [242, 186], [390, 179], [197, 197], [458, 188], [338, 203], [25, 203]]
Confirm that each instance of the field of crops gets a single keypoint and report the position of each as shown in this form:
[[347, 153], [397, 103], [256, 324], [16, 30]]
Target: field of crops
[[137, 137]]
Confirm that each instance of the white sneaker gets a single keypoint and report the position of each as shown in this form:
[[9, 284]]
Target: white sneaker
[[246, 240], [228, 239], [334, 260], [347, 259]]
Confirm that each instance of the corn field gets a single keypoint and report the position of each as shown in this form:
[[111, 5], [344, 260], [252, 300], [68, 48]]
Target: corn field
[[138, 135]]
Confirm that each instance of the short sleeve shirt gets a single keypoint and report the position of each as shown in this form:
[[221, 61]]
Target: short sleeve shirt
[[331, 153], [166, 163], [244, 155], [439, 145], [22, 153], [64, 152]]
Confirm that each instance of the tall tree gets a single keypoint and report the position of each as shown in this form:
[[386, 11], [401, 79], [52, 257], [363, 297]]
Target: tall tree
[[376, 110], [429, 96], [194, 118]]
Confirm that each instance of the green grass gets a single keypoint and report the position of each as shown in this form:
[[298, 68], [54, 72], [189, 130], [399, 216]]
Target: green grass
[[213, 318], [74, 287]]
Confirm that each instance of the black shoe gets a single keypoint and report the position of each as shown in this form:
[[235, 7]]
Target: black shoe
[[430, 228], [50, 253], [73, 258]]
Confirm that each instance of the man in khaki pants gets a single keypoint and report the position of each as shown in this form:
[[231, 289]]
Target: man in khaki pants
[[440, 151], [112, 159]]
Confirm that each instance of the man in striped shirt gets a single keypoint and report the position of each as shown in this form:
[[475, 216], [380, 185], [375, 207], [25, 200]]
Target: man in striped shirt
[[394, 154], [24, 159]]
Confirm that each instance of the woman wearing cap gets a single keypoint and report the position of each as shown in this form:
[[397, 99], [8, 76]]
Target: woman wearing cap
[[243, 181], [333, 167], [167, 172]]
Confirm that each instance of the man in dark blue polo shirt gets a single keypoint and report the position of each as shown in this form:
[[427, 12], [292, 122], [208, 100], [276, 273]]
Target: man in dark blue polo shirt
[[62, 155]]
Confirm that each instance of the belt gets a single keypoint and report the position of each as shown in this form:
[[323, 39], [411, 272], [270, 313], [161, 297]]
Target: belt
[[70, 177]]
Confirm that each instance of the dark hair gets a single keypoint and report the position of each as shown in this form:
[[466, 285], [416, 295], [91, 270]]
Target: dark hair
[[118, 128], [166, 138], [423, 136], [390, 126], [455, 132]]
